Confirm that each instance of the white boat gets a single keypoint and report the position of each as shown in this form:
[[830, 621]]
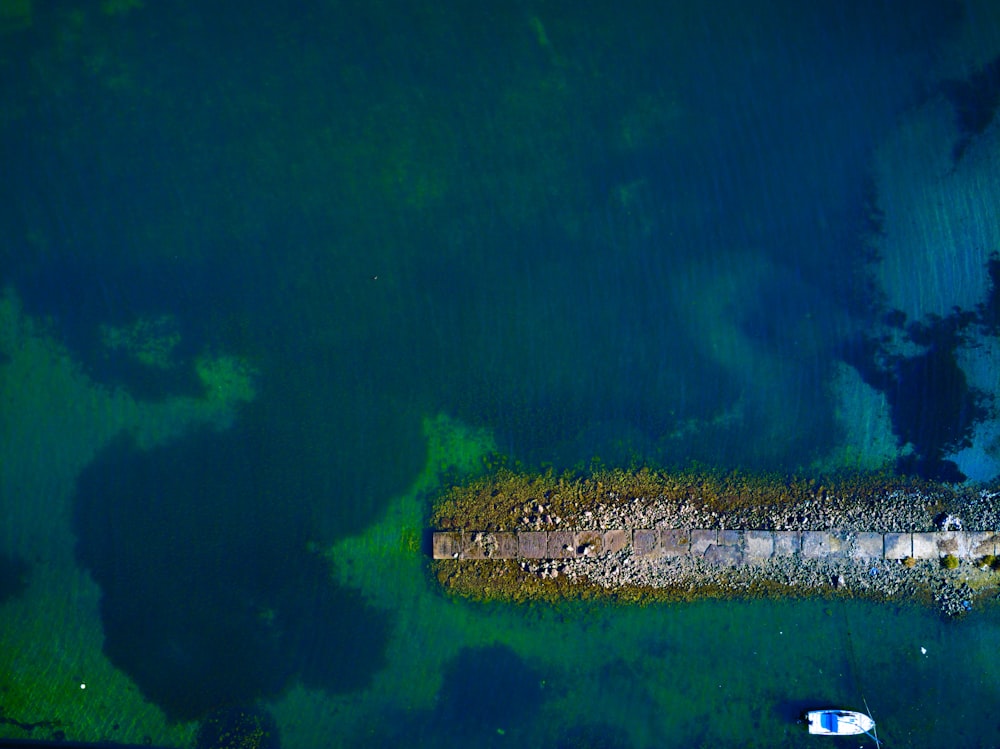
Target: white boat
[[839, 723]]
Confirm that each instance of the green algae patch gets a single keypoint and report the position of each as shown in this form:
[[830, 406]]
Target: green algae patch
[[227, 379], [150, 341], [15, 15]]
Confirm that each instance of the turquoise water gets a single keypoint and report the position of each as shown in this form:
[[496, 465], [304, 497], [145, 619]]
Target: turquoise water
[[273, 277]]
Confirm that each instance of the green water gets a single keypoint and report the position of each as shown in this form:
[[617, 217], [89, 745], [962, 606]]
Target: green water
[[711, 673], [273, 275]]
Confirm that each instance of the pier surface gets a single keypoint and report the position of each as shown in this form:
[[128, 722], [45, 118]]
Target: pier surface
[[724, 547]]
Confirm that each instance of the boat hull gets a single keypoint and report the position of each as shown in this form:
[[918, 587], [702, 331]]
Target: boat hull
[[838, 723]]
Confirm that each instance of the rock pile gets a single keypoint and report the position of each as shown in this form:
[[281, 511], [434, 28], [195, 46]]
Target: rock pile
[[546, 537]]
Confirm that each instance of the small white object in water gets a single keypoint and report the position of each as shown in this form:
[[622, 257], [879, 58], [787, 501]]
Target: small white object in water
[[923, 650]]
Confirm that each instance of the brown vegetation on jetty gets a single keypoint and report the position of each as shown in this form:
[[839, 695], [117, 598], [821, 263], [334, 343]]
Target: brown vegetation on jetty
[[511, 500]]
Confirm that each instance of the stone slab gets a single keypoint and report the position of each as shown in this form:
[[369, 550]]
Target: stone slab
[[758, 544], [560, 545], [986, 545], [489, 545], [532, 544], [949, 542], [925, 546], [898, 545], [867, 546], [589, 543], [970, 543], [506, 546], [726, 546], [730, 538], [724, 555], [701, 540], [446, 544], [962, 544], [675, 542], [616, 540], [822, 544], [472, 545], [645, 541], [787, 543]]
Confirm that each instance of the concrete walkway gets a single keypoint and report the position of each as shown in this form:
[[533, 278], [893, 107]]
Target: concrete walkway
[[722, 547]]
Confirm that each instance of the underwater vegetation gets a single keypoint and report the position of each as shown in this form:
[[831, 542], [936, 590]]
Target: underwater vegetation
[[238, 728]]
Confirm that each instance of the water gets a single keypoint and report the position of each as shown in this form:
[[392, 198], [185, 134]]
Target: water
[[273, 275]]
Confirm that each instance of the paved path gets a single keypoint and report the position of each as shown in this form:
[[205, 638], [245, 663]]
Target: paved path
[[723, 547]]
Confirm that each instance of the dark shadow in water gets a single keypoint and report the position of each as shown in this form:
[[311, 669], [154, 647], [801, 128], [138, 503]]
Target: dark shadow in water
[[594, 736], [210, 597], [933, 406], [989, 311], [489, 698], [486, 689], [794, 711], [14, 573], [975, 100]]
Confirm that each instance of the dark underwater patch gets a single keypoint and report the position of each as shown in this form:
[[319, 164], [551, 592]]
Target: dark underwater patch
[[989, 311], [489, 698], [594, 736], [14, 573], [975, 100], [210, 597], [86, 296], [933, 406], [935, 409], [486, 689]]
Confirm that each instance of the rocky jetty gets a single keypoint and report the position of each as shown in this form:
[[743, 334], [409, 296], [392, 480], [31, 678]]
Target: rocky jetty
[[638, 536]]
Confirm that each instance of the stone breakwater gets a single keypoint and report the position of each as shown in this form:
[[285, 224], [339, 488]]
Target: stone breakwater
[[648, 536]]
